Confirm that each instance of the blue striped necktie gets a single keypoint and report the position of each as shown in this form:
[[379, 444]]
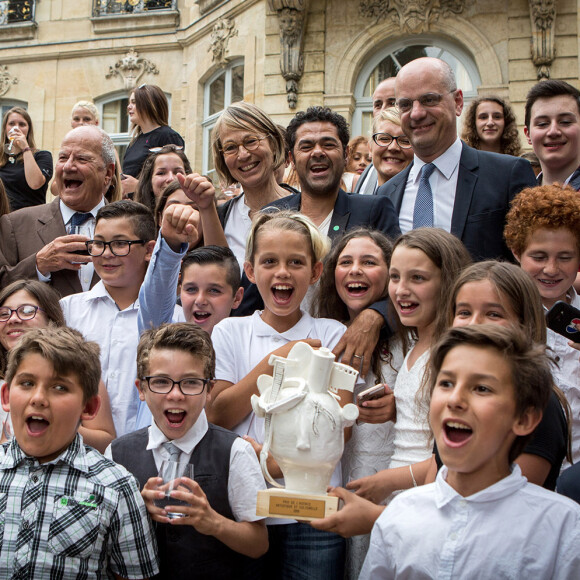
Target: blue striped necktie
[[79, 218], [423, 212]]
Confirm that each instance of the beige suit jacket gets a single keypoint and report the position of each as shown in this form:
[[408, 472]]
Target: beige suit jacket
[[25, 232]]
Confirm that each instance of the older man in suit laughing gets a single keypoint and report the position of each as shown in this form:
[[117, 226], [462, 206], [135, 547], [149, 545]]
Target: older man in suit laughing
[[34, 241]]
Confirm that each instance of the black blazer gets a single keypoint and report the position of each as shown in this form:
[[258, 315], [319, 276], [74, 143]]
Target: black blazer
[[486, 184], [352, 210]]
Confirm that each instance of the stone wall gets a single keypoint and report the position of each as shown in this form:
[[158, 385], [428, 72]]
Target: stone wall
[[65, 55]]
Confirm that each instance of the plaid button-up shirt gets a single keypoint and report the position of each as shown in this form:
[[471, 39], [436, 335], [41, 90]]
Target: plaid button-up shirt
[[79, 516]]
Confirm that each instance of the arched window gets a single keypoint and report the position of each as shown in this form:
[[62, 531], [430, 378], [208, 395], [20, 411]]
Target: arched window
[[115, 121], [223, 88], [388, 62], [7, 104]]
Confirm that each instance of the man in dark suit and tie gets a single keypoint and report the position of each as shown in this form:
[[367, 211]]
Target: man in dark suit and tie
[[34, 241], [450, 185]]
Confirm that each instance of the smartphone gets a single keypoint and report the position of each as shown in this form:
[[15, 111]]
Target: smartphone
[[370, 394], [565, 320], [84, 252]]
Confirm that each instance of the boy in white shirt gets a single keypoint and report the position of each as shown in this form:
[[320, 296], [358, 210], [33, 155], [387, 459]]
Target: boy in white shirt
[[481, 518], [107, 314], [220, 535]]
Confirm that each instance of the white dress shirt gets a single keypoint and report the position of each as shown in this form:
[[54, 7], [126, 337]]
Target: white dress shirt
[[511, 530], [443, 184], [567, 377], [96, 315]]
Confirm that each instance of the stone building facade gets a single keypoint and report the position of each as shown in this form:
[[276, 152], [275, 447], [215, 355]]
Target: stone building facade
[[283, 55]]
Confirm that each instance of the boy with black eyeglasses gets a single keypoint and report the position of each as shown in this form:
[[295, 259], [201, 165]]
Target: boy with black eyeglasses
[[107, 314], [219, 535]]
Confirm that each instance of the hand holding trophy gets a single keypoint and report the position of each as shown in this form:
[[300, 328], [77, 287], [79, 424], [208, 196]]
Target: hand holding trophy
[[304, 430]]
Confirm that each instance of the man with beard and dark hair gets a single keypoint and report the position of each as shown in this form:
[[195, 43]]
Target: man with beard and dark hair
[[318, 139]]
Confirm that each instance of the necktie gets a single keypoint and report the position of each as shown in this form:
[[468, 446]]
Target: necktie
[[173, 450], [423, 212], [79, 218]]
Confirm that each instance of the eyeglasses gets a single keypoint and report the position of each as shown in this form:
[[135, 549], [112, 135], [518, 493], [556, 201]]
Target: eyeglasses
[[384, 140], [426, 100], [187, 386], [24, 312], [118, 247], [250, 143], [166, 148]]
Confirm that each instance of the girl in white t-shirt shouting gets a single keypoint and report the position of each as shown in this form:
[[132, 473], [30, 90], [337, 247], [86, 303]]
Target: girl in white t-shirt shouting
[[284, 255]]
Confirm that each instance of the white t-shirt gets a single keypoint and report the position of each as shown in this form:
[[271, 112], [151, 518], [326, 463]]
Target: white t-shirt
[[241, 343]]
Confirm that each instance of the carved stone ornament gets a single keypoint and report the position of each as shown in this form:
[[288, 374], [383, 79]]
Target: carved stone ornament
[[207, 5], [292, 21], [411, 16], [6, 80], [543, 16], [131, 68], [223, 30]]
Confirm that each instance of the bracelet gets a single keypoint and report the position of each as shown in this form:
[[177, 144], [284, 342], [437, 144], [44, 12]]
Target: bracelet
[[26, 149], [412, 476]]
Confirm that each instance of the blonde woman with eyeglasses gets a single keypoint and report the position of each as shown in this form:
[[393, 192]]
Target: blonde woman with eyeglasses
[[248, 148]]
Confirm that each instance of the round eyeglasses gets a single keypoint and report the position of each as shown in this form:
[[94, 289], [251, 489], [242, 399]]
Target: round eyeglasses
[[249, 143], [118, 247], [384, 140], [187, 386], [24, 312]]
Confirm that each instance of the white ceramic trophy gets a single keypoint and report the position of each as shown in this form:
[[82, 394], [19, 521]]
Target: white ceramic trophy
[[304, 430]]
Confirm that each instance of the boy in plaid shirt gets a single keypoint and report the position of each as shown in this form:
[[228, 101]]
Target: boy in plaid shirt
[[65, 510]]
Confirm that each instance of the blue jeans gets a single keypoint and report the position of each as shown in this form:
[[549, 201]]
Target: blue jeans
[[299, 552]]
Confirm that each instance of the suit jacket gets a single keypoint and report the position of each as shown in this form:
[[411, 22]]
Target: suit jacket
[[352, 210], [25, 232], [486, 184]]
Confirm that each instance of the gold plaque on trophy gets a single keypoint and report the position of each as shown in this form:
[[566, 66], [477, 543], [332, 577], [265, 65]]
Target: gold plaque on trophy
[[275, 503]]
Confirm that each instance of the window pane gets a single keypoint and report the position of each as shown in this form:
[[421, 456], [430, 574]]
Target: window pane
[[217, 95], [367, 121], [211, 172], [382, 71], [238, 83], [115, 118]]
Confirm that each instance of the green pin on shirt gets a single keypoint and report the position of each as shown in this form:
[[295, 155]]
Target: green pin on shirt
[[336, 228]]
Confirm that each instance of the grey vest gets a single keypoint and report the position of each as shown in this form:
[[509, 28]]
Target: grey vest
[[183, 551]]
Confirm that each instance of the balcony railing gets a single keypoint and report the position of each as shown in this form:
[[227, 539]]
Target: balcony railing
[[14, 11], [107, 7]]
